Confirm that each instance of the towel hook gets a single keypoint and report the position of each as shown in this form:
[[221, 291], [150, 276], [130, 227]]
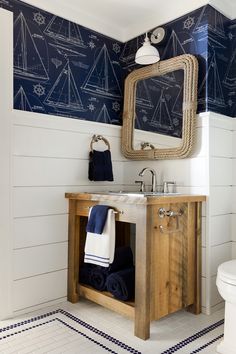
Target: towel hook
[[96, 138]]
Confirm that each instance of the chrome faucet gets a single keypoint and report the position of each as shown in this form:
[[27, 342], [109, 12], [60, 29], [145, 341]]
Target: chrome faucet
[[154, 177]]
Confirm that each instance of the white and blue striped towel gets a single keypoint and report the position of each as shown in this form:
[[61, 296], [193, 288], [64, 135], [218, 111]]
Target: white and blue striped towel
[[100, 248]]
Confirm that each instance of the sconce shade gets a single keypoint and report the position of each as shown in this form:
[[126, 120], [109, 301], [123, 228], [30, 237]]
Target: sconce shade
[[147, 54]]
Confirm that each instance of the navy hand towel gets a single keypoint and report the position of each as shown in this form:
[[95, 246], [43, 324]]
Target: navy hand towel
[[122, 284], [100, 166], [97, 219]]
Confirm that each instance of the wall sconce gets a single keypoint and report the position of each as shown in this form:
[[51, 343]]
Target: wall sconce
[[148, 54]]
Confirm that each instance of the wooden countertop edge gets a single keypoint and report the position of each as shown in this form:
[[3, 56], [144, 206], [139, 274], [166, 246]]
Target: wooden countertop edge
[[136, 199]]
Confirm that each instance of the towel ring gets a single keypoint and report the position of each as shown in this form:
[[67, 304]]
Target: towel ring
[[96, 138], [146, 144]]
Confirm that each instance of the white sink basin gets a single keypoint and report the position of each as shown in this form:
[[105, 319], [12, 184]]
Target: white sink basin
[[141, 194]]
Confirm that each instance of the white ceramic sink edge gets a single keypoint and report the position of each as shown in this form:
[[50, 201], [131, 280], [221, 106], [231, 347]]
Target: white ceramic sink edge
[[141, 194]]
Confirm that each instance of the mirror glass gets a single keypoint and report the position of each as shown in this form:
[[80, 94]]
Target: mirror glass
[[160, 104], [159, 110]]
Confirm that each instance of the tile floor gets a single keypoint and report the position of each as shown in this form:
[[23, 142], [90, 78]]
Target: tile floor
[[59, 334]]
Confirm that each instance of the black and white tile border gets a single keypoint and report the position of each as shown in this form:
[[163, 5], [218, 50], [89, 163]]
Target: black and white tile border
[[194, 337], [18, 328], [73, 318]]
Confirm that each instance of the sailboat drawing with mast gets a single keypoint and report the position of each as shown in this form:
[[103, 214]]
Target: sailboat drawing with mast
[[177, 108], [173, 47], [230, 76], [21, 101], [214, 26], [102, 79], [64, 30], [143, 98], [103, 116], [215, 92], [27, 60], [161, 117], [128, 53], [64, 93]]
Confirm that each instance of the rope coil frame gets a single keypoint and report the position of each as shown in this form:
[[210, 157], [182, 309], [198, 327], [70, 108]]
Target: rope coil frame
[[189, 64]]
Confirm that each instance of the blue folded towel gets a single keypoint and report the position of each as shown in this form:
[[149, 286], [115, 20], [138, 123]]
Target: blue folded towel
[[85, 273], [123, 258], [97, 219], [100, 166], [122, 284], [96, 276]]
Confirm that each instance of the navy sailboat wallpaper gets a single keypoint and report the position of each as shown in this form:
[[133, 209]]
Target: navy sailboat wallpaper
[[62, 68]]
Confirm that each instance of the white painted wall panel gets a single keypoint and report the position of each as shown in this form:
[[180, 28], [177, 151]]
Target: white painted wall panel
[[215, 296], [220, 254], [203, 261], [221, 142], [48, 142], [220, 229], [40, 289], [6, 86], [233, 227], [33, 261], [35, 231], [221, 202], [233, 250], [34, 171], [221, 171]]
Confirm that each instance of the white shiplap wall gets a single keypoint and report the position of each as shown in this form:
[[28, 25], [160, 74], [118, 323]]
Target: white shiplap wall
[[220, 205], [233, 224], [50, 157]]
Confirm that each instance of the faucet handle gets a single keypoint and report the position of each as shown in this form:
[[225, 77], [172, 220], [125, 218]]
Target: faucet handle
[[141, 189], [166, 185]]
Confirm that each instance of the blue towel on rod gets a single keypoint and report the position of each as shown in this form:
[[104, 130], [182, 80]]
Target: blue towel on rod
[[100, 166], [97, 219]]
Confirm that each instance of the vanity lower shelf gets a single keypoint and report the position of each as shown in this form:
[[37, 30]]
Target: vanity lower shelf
[[105, 299]]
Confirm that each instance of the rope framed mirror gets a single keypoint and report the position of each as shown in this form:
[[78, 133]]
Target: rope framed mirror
[[160, 103]]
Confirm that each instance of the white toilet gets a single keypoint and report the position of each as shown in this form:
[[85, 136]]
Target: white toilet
[[226, 284]]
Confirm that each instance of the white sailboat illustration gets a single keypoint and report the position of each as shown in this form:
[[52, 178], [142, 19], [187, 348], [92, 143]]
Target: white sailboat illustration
[[173, 47], [102, 79], [21, 101], [64, 93], [161, 117], [129, 50], [27, 60], [64, 30], [215, 25], [104, 116], [230, 75], [143, 98], [177, 108], [214, 86]]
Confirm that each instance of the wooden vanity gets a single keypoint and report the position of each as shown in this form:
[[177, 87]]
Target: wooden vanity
[[167, 253]]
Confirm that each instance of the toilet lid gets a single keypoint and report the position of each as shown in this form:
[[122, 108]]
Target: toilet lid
[[227, 272]]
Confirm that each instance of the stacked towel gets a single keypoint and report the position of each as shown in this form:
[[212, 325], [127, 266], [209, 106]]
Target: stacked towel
[[122, 284], [96, 276], [123, 259], [100, 166], [100, 248]]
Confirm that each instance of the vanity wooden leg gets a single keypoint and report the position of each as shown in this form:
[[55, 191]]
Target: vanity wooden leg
[[73, 254], [142, 277], [196, 308]]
